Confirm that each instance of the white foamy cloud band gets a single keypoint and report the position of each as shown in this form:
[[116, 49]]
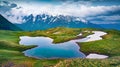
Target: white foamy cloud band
[[63, 9]]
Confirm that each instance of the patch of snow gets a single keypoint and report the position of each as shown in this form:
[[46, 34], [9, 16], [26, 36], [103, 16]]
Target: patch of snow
[[54, 19], [56, 33], [96, 56], [79, 34], [33, 19], [44, 18], [87, 31], [78, 19], [96, 36], [83, 20]]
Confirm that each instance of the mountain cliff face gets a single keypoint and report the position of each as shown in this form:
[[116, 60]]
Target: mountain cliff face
[[6, 25], [43, 21]]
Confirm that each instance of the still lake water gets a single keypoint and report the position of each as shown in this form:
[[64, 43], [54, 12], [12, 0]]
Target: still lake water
[[48, 50]]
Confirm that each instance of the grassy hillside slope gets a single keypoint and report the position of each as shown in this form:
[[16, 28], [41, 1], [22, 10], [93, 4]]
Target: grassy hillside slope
[[11, 52], [6, 25], [110, 45]]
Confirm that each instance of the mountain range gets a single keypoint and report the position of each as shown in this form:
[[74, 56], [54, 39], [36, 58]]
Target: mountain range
[[115, 26], [43, 21]]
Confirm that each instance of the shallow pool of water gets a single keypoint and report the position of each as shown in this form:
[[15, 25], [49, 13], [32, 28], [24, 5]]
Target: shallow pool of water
[[46, 49]]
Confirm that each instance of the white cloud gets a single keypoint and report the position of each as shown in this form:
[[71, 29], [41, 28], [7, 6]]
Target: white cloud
[[73, 9], [113, 19], [110, 18], [67, 9], [104, 22]]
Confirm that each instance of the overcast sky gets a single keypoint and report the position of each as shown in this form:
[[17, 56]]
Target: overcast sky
[[96, 11]]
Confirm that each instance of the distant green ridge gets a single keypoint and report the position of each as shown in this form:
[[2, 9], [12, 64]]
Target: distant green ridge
[[6, 25]]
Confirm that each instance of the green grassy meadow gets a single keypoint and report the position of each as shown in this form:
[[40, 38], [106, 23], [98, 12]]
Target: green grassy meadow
[[11, 51]]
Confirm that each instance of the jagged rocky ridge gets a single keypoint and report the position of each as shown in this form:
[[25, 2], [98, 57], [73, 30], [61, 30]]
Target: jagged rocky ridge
[[43, 21]]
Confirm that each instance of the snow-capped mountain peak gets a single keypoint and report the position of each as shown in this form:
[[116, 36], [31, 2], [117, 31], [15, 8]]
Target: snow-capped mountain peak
[[52, 19], [44, 21]]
